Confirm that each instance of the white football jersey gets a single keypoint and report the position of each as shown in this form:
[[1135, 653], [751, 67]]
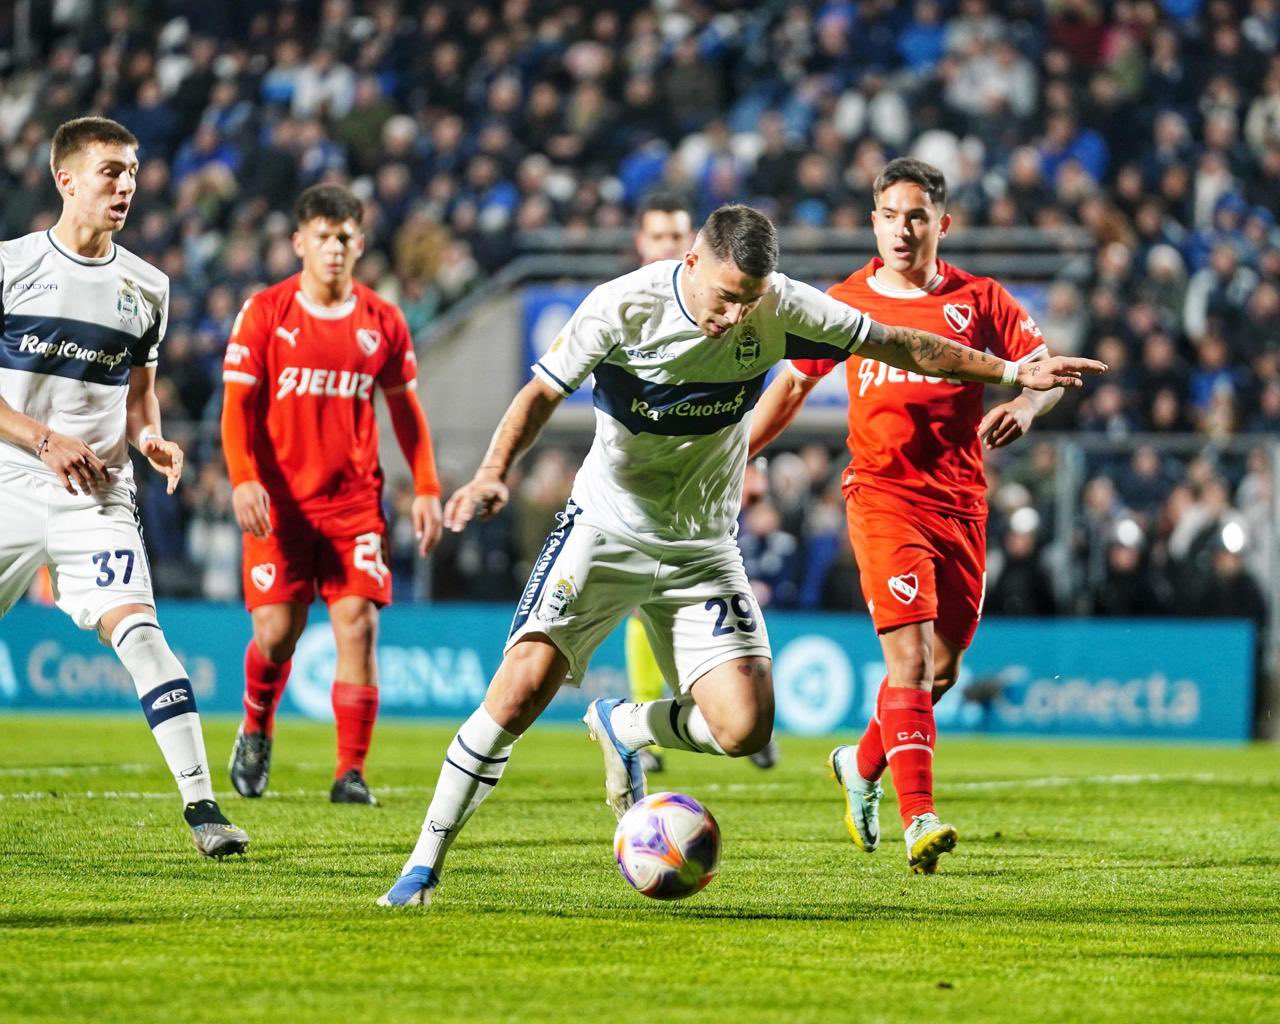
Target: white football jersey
[[72, 329], [673, 405]]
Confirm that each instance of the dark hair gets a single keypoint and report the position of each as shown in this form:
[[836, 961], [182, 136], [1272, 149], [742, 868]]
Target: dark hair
[[917, 172], [662, 202], [744, 235], [73, 136], [328, 202]]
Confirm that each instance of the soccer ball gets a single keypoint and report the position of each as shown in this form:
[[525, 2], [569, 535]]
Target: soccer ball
[[667, 846]]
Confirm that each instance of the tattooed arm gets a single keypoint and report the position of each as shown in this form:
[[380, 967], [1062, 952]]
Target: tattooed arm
[[922, 352], [487, 492]]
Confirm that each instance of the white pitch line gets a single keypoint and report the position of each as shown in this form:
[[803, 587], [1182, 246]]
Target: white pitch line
[[1054, 781], [1041, 782], [114, 794], [72, 769]]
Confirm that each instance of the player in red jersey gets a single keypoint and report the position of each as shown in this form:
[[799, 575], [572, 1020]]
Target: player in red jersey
[[300, 435], [915, 491]]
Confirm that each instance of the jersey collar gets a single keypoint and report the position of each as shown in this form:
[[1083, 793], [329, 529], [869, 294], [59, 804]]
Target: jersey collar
[[75, 257], [328, 312], [675, 287], [930, 286]]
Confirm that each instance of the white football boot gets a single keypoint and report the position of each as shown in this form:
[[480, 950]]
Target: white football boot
[[624, 783], [861, 799], [928, 839]]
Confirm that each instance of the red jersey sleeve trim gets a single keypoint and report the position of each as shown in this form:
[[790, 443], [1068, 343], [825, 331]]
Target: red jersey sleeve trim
[[235, 436], [801, 374], [414, 435]]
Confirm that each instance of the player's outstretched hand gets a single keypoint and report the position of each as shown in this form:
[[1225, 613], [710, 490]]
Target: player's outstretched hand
[[427, 525], [73, 462], [1005, 423], [165, 457], [483, 497], [252, 507], [1057, 372]]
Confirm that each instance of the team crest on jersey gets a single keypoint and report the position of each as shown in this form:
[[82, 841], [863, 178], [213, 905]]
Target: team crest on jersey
[[748, 350], [368, 340], [905, 587], [959, 315], [263, 576], [559, 598], [127, 300]]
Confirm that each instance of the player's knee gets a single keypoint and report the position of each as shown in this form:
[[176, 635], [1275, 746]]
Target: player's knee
[[276, 644], [529, 672], [911, 666], [743, 734], [276, 634], [356, 630]]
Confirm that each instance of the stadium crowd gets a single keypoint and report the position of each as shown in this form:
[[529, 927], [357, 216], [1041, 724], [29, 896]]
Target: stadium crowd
[[1155, 125]]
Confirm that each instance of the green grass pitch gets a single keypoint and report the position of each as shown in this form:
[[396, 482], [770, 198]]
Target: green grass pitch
[[1092, 882]]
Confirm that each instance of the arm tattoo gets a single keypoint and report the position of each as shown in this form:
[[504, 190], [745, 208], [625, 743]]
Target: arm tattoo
[[909, 348]]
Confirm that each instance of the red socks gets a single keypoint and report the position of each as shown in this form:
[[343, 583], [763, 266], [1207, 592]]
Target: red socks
[[263, 686], [355, 708], [907, 732], [871, 761]]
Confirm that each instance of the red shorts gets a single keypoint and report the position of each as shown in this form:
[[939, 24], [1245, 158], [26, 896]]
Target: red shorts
[[340, 555], [917, 565]]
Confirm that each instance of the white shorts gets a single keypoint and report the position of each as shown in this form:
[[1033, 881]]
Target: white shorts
[[696, 606], [92, 545]]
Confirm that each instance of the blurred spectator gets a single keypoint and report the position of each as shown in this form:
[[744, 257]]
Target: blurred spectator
[[1126, 589], [1022, 585], [1153, 127], [770, 554]]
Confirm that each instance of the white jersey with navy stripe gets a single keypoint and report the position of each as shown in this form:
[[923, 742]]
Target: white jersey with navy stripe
[[673, 405], [72, 328]]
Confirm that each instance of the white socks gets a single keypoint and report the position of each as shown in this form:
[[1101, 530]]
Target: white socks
[[472, 767], [667, 723], [167, 701]]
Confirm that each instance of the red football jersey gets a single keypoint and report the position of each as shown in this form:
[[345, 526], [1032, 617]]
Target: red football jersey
[[314, 368], [917, 436]]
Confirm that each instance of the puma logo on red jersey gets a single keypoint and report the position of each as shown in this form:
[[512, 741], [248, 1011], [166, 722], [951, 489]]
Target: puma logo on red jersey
[[304, 380]]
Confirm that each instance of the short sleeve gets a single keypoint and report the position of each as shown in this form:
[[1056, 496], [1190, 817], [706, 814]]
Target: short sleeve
[[146, 350], [818, 327], [1014, 334], [243, 363], [591, 334], [400, 371], [812, 369]]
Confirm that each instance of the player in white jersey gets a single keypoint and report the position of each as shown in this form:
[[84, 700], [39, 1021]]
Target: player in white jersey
[[82, 321], [679, 350], [664, 231]]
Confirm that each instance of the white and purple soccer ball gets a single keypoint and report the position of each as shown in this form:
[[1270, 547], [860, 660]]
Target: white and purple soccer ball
[[667, 846]]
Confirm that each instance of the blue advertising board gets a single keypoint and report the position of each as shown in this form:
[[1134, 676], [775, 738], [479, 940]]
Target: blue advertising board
[[1139, 679]]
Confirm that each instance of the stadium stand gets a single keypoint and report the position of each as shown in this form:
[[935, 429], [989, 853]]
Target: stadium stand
[[1153, 125]]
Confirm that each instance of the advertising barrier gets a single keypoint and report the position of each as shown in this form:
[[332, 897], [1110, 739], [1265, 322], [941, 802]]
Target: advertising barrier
[[1139, 679]]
